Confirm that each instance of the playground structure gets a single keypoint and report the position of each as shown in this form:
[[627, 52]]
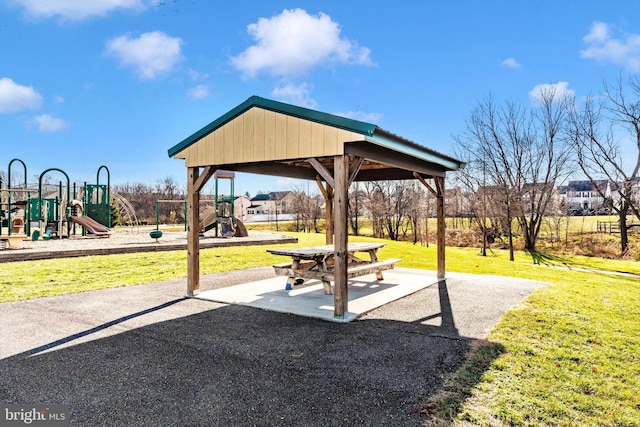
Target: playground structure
[[125, 210], [17, 209], [220, 217], [54, 211], [157, 233]]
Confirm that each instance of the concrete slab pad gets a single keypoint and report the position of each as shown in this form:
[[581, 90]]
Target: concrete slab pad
[[365, 294]]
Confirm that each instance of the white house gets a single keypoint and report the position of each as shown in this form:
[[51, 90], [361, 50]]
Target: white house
[[271, 204], [241, 207], [584, 195]]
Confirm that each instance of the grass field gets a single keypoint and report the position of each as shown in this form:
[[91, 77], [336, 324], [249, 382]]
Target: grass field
[[568, 355]]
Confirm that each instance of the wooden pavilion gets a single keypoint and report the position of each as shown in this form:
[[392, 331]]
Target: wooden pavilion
[[268, 137]]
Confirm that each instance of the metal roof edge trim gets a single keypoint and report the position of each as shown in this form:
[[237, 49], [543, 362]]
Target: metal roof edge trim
[[344, 123], [410, 148], [341, 122]]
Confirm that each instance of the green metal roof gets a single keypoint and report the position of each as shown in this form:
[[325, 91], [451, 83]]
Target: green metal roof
[[363, 128], [397, 143]]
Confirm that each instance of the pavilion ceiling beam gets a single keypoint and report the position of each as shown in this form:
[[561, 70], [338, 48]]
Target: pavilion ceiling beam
[[322, 171], [393, 159], [274, 169]]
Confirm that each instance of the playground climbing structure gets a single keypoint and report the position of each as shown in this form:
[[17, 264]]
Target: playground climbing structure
[[53, 210]]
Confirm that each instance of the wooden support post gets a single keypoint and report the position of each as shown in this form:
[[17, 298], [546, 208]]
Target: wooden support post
[[341, 202], [439, 181], [193, 235]]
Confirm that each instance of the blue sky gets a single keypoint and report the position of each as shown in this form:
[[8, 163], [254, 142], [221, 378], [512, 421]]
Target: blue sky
[[119, 82]]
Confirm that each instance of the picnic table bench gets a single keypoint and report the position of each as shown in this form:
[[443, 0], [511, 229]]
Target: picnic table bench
[[317, 263]]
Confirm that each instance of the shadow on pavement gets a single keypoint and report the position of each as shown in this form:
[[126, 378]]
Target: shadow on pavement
[[239, 366]]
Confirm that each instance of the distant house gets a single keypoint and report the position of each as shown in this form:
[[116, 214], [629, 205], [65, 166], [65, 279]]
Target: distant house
[[635, 191], [584, 195], [492, 198], [241, 207], [271, 204]]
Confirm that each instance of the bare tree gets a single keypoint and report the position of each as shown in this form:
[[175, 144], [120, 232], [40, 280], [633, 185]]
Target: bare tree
[[388, 203], [522, 153], [417, 209], [473, 180], [608, 154], [376, 204], [355, 207], [143, 198], [317, 212], [557, 219], [301, 206]]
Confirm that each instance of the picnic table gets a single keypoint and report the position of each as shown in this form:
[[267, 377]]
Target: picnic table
[[316, 262]]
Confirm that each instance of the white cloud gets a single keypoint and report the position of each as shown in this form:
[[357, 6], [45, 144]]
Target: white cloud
[[48, 123], [599, 33], [295, 94], [151, 54], [288, 183], [602, 46], [559, 90], [196, 75], [362, 116], [77, 10], [511, 63], [294, 42], [15, 97], [198, 92], [58, 99]]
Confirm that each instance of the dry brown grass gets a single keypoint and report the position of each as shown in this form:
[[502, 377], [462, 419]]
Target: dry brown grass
[[580, 238], [588, 244]]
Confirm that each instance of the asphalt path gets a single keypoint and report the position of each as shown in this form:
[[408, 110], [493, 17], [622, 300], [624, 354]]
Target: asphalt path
[[145, 355]]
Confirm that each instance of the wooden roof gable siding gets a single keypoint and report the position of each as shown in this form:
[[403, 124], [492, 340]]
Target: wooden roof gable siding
[[260, 135], [263, 130]]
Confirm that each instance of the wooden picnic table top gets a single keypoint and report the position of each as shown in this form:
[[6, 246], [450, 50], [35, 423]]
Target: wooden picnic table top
[[315, 251]]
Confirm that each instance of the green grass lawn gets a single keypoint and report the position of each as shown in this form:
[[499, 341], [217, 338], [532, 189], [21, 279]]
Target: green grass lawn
[[568, 355]]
